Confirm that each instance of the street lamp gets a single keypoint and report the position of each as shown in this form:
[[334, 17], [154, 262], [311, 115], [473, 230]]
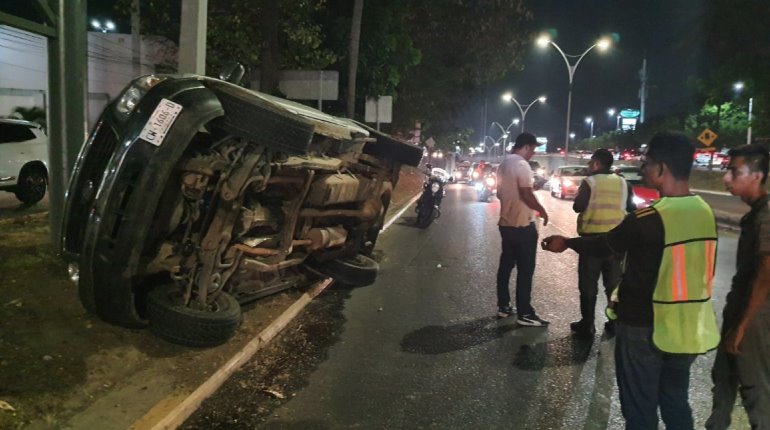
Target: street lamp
[[572, 135], [610, 114], [590, 121], [523, 109], [103, 26], [603, 44], [738, 87]]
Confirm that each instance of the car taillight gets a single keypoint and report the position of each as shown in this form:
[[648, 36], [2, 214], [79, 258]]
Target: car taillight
[[567, 183], [490, 182]]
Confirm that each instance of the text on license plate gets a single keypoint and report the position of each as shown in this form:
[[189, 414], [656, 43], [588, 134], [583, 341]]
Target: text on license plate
[[160, 121]]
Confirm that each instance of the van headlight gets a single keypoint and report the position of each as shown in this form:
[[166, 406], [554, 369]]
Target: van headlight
[[73, 272], [134, 93]]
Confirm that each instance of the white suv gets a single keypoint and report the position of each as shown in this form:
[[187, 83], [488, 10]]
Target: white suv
[[23, 159]]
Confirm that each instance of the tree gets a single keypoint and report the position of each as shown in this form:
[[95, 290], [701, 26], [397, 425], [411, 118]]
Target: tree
[[736, 48], [355, 38], [727, 120], [464, 44], [261, 34]]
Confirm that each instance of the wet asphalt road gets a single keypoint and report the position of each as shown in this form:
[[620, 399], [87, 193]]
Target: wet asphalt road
[[10, 207], [422, 349]]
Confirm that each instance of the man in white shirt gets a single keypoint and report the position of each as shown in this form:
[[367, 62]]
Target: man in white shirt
[[518, 232]]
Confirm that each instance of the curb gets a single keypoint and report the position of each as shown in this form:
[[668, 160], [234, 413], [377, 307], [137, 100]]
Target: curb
[[186, 406]]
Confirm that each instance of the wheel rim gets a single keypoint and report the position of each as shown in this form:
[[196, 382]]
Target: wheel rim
[[35, 184]]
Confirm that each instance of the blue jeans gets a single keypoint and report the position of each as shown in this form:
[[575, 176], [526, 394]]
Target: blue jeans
[[519, 250], [649, 378]]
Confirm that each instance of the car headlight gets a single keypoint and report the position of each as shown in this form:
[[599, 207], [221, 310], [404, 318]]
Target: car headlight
[[134, 93], [475, 175], [490, 182], [73, 272], [435, 187]]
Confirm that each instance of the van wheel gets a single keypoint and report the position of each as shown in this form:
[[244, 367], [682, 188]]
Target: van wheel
[[171, 320], [32, 184], [358, 271]]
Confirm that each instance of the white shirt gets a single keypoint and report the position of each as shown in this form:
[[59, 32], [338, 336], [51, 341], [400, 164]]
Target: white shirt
[[514, 172]]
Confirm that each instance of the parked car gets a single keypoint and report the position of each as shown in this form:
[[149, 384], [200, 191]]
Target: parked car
[[23, 160], [643, 196], [565, 181], [194, 195]]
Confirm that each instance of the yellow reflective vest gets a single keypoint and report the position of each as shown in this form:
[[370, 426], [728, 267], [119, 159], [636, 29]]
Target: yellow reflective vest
[[606, 206], [684, 320]]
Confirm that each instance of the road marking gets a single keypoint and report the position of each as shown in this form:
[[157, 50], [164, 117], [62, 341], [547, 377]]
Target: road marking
[[401, 212], [191, 403]]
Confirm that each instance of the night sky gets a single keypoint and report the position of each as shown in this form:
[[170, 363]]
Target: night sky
[[654, 29]]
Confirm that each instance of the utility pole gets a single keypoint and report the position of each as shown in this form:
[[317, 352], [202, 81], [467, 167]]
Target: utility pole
[[643, 89], [355, 37], [484, 120], [192, 37]]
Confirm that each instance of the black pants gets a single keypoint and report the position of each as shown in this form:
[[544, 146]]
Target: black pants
[[589, 269], [519, 250], [648, 379]]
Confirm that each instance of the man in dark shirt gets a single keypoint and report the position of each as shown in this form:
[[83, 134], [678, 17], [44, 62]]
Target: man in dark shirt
[[649, 378], [599, 213], [744, 356]]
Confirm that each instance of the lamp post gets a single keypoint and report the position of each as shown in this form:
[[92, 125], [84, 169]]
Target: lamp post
[[103, 26], [738, 87], [525, 108], [505, 130], [590, 121], [603, 44]]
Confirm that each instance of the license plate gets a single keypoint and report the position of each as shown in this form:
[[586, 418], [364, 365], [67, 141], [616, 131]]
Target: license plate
[[162, 118]]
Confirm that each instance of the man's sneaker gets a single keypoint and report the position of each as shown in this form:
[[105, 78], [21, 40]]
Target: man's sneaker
[[583, 329], [504, 311], [531, 320]]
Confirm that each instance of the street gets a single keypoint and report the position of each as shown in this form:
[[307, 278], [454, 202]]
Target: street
[[422, 348]]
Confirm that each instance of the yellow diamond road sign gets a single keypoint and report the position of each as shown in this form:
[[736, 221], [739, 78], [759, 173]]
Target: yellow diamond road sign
[[707, 137]]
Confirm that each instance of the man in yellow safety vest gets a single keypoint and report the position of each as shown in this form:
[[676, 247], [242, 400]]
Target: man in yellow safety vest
[[665, 314], [602, 201]]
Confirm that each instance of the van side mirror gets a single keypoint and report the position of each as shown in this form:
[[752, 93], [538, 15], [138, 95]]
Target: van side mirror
[[233, 73]]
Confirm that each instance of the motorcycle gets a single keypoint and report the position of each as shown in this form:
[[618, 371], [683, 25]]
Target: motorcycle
[[538, 175], [486, 188], [429, 205]]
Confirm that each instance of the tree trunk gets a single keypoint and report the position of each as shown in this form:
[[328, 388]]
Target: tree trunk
[[268, 77], [355, 36]]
